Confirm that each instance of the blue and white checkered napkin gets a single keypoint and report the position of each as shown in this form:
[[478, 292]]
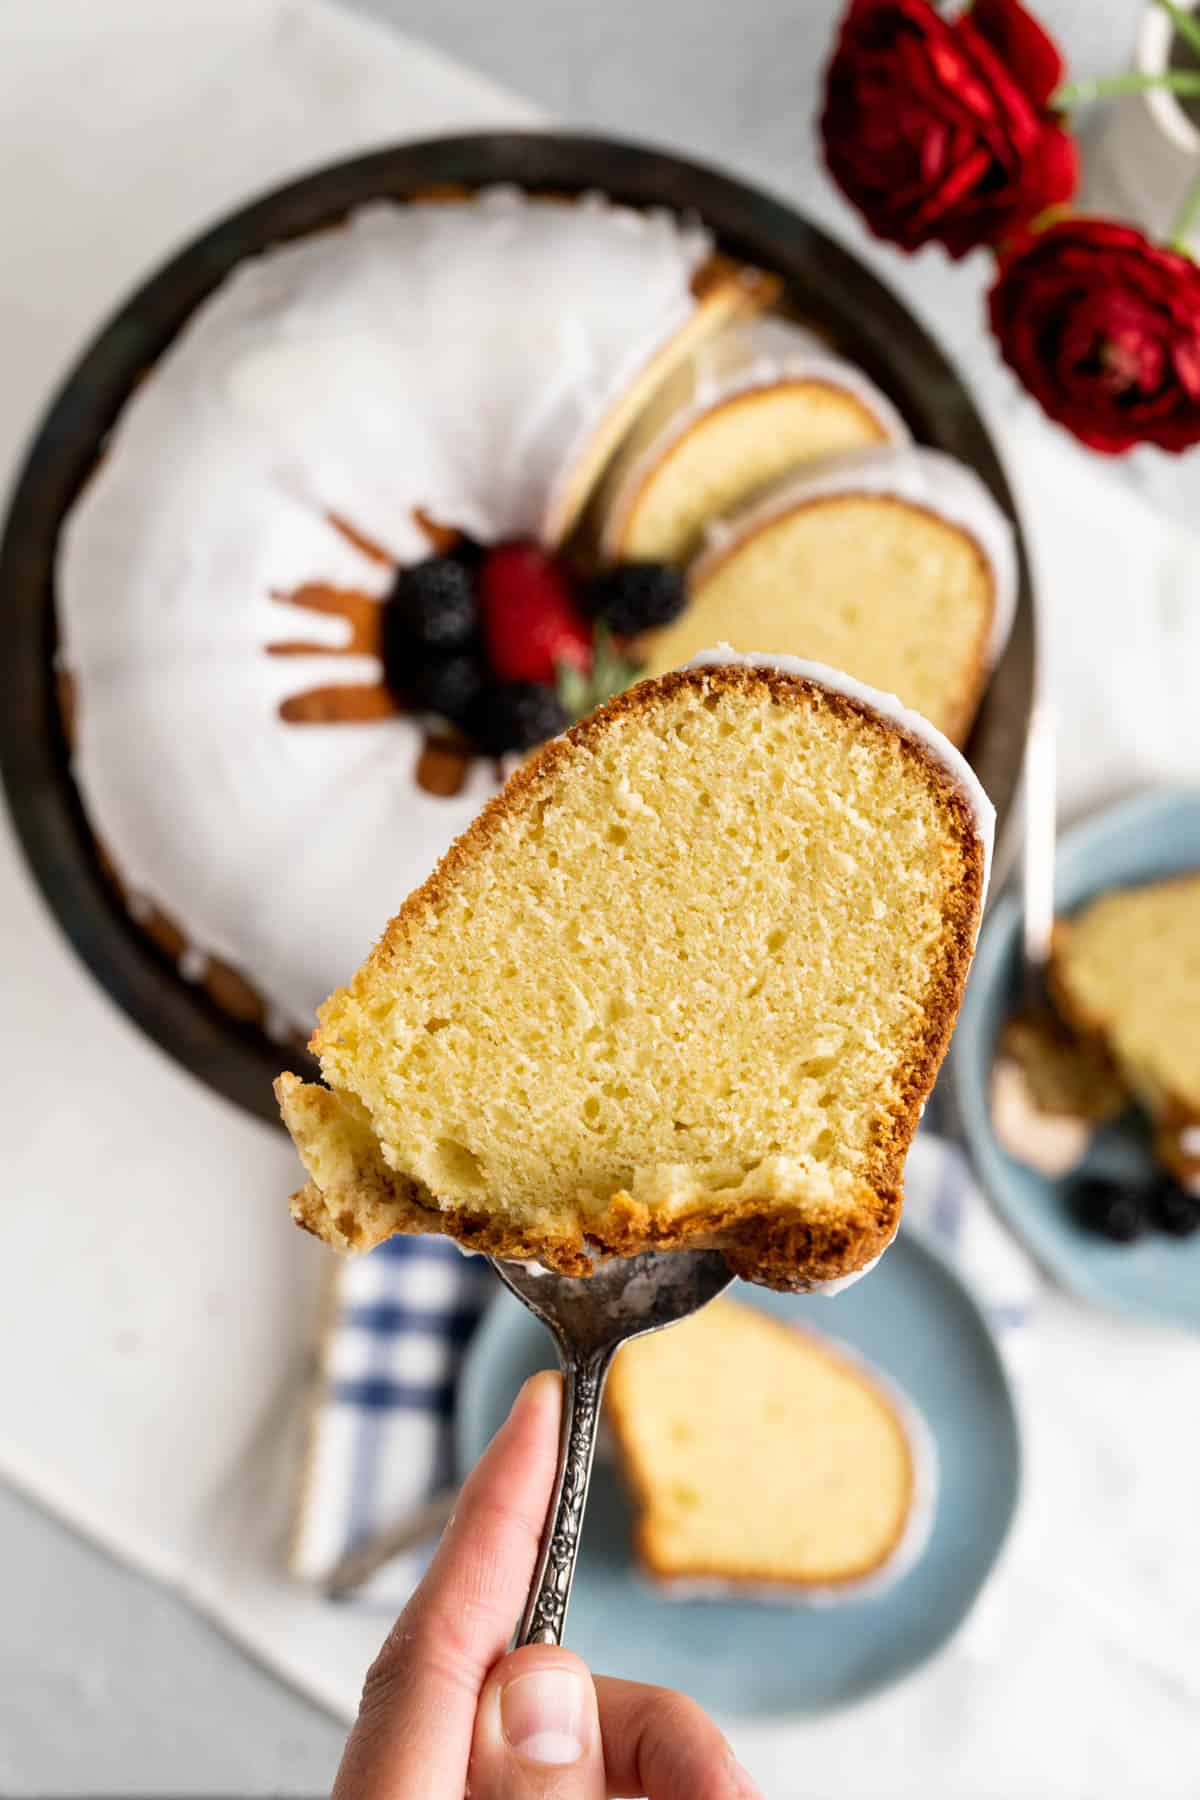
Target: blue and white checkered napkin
[[400, 1321]]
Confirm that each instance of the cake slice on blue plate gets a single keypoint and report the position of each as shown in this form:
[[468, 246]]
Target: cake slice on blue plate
[[731, 1402]]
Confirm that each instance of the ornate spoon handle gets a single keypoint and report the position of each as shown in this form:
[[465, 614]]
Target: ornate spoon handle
[[583, 1384]]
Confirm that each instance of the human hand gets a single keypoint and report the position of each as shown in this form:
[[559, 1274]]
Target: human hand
[[445, 1712]]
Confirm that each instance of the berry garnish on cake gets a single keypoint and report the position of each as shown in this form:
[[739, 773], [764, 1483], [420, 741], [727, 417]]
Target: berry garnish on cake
[[634, 597], [451, 686], [516, 715], [532, 626], [434, 604], [497, 643]]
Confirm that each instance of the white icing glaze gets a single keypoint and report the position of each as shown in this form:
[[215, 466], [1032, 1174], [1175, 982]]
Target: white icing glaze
[[889, 707], [767, 349], [450, 356], [760, 353], [925, 478], [913, 1540]]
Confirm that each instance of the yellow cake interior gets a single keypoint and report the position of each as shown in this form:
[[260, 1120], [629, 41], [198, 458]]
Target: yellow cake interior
[[729, 291], [723, 456], [893, 594], [758, 1454], [695, 966], [1126, 968]]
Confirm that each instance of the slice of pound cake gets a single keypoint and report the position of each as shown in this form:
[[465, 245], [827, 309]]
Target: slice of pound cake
[[895, 565], [1125, 974], [841, 1467], [750, 406], [685, 982]]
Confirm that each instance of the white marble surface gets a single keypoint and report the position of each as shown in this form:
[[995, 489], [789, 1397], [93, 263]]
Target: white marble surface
[[1081, 1680]]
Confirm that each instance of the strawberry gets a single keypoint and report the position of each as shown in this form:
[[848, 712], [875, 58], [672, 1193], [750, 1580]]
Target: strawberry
[[531, 625]]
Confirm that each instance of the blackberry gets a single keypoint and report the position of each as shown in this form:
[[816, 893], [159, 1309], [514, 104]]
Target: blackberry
[[433, 603], [451, 686], [638, 596], [1111, 1209], [1173, 1210], [467, 554], [516, 715]]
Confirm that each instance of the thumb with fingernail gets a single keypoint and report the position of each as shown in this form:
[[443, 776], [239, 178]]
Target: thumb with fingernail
[[537, 1730]]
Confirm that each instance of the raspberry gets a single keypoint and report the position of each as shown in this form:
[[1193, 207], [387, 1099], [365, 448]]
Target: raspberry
[[531, 625]]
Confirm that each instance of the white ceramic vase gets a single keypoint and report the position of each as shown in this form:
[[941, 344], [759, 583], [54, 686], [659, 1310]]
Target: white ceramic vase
[[1146, 152]]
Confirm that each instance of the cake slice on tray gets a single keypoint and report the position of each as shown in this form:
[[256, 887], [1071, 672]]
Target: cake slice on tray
[[843, 1467], [686, 982], [893, 564], [752, 404]]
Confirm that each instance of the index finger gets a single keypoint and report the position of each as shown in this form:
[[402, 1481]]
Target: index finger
[[661, 1743], [412, 1739]]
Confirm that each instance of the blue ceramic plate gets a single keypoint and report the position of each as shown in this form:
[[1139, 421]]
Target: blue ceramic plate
[[914, 1319], [1158, 1277]]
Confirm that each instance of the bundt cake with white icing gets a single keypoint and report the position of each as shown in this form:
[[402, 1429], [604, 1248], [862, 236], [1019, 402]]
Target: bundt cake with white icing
[[686, 981], [351, 543], [844, 1468], [749, 406], [895, 565], [339, 406]]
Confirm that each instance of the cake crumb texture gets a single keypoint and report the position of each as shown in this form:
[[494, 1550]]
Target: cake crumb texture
[[685, 982], [750, 440], [887, 590]]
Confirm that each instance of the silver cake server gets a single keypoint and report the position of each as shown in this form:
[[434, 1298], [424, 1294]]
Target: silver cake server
[[589, 1318]]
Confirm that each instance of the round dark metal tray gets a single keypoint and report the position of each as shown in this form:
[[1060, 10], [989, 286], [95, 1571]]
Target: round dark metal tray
[[822, 282]]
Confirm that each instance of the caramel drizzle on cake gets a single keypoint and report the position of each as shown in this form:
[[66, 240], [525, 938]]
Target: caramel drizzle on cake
[[442, 765], [369, 547], [360, 610]]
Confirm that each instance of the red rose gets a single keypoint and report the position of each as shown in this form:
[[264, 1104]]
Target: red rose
[[938, 129], [1103, 327]]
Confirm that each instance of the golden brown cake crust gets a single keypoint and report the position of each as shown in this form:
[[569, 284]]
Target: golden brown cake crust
[[365, 1202], [775, 1244], [975, 679], [616, 1402]]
